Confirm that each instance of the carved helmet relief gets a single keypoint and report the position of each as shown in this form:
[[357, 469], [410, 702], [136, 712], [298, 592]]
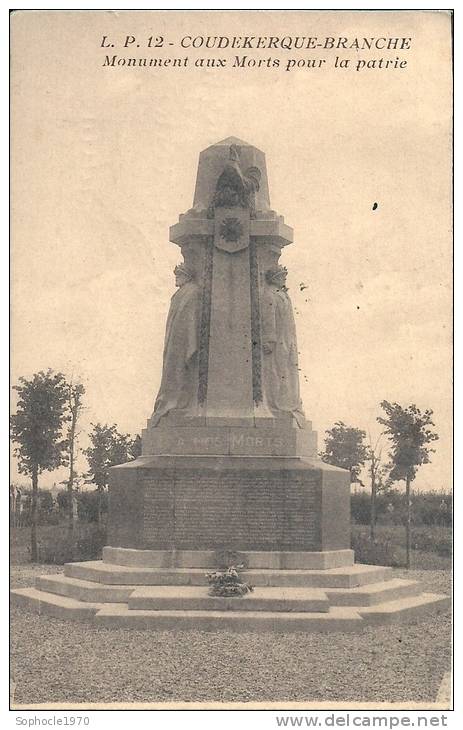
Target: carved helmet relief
[[277, 275], [183, 274]]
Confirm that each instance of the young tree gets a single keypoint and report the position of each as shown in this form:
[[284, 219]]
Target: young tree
[[410, 432], [108, 448], [37, 429], [75, 404], [345, 447], [379, 479]]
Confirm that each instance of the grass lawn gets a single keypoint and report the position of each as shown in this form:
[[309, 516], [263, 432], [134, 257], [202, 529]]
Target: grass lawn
[[60, 661], [51, 539], [432, 545]]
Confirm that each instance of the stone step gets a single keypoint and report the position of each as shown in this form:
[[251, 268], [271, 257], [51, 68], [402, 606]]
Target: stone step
[[92, 591], [405, 608], [207, 559], [83, 590], [337, 619], [369, 595], [344, 577], [54, 605], [192, 598]]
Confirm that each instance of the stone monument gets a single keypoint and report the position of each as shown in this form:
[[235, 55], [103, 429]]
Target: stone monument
[[229, 470], [229, 460]]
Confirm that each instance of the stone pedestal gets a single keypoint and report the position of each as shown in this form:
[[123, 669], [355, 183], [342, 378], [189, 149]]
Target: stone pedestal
[[229, 503]]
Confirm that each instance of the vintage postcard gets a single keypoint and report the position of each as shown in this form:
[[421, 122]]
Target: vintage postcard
[[231, 420]]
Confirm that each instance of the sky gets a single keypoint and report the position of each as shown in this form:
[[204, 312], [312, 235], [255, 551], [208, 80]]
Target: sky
[[104, 161]]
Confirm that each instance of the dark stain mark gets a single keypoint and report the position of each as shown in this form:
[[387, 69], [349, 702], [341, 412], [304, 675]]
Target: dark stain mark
[[375, 205]]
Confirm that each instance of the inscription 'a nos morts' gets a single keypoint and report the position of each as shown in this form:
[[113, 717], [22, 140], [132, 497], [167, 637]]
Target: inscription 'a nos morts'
[[232, 440]]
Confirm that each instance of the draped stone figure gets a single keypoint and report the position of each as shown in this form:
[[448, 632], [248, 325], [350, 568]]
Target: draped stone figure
[[279, 344], [179, 380]]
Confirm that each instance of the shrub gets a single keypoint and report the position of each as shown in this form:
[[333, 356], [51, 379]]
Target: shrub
[[63, 501], [87, 544], [360, 508], [380, 551], [432, 540], [89, 503], [426, 508], [46, 505], [47, 514], [444, 547], [90, 545]]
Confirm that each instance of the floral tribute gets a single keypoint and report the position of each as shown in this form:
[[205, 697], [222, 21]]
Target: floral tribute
[[228, 583]]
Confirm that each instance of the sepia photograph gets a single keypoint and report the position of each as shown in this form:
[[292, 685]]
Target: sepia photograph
[[231, 360]]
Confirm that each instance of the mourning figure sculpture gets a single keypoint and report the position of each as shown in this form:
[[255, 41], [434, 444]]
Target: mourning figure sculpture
[[179, 380], [279, 344]]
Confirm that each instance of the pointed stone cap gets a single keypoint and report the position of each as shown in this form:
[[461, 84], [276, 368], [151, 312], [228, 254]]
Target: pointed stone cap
[[211, 163]]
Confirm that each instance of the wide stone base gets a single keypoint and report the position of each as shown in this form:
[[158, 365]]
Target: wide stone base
[[272, 504], [128, 589], [215, 559]]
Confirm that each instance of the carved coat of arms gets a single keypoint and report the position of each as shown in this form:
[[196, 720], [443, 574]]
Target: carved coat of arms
[[231, 229]]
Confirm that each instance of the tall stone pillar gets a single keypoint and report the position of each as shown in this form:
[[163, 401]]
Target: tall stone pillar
[[229, 459], [229, 372]]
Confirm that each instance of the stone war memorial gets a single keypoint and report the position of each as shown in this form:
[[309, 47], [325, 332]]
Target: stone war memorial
[[229, 473]]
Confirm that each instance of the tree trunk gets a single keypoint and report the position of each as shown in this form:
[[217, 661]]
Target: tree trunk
[[75, 395], [373, 509], [99, 506], [409, 520], [71, 479], [34, 498]]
